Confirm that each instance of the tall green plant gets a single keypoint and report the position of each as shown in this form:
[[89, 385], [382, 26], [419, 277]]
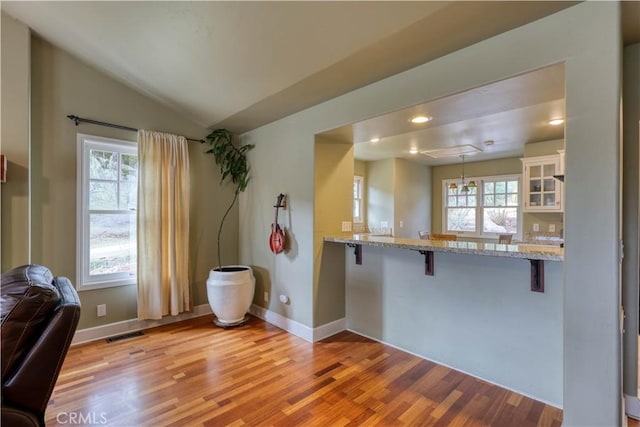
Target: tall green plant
[[233, 167]]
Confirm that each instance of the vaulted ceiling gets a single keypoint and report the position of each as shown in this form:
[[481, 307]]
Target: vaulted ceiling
[[242, 64]]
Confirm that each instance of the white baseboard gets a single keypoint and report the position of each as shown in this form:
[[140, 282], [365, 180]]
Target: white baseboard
[[297, 328], [132, 325], [329, 329], [632, 406], [309, 334]]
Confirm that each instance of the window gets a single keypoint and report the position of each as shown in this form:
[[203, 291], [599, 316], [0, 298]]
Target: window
[[357, 199], [107, 198], [461, 209], [500, 206], [491, 208]]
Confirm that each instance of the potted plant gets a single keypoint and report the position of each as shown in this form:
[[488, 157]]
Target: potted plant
[[230, 288]]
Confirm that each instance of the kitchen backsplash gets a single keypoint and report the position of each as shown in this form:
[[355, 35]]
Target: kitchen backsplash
[[544, 238]]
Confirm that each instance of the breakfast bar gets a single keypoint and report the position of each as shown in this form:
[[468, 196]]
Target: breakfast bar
[[466, 305], [536, 254]]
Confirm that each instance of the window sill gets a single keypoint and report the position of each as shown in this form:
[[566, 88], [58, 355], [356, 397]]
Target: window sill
[[104, 285]]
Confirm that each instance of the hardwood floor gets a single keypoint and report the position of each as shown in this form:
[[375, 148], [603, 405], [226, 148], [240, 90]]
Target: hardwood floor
[[193, 373]]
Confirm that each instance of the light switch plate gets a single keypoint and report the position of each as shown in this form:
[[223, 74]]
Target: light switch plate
[[536, 227], [101, 310], [552, 228]]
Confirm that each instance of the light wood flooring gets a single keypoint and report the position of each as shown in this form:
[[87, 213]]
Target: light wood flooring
[[192, 373]]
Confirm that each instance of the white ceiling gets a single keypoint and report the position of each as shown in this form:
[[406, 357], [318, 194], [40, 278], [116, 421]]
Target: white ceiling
[[242, 64], [510, 113]]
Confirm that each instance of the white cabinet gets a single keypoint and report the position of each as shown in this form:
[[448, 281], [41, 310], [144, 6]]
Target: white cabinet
[[541, 191]]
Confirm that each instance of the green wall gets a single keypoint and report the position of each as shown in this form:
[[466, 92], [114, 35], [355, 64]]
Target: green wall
[[586, 37], [380, 193], [543, 148], [14, 75], [62, 85], [412, 198], [333, 202], [397, 191], [631, 158]]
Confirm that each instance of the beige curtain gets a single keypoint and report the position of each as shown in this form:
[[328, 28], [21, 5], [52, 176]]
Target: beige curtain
[[163, 225]]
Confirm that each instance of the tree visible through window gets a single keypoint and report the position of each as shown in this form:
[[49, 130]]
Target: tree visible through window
[[107, 217], [488, 209], [461, 209], [500, 201], [357, 199]]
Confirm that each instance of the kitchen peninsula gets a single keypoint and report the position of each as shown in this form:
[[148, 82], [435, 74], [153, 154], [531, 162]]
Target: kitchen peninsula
[[521, 250], [537, 254], [470, 307]]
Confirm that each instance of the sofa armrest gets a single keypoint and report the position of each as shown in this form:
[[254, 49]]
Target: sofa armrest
[[27, 386]]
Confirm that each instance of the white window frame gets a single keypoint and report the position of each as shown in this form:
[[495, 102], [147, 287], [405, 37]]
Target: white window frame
[[359, 180], [479, 207], [83, 280]]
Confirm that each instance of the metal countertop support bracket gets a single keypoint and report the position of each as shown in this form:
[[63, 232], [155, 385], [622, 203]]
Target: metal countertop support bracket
[[357, 251], [537, 275], [428, 262]]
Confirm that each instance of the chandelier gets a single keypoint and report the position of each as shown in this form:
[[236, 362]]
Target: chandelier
[[465, 187]]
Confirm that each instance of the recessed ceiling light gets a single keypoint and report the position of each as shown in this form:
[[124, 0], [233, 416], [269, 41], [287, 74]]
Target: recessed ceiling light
[[488, 142], [421, 119], [374, 140], [556, 122], [413, 151]]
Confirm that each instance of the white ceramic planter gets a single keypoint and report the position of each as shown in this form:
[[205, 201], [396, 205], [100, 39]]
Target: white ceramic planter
[[230, 293]]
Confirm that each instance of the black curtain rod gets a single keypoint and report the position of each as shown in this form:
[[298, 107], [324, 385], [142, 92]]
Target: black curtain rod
[[79, 120]]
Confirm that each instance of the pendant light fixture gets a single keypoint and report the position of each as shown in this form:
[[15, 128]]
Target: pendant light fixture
[[465, 187]]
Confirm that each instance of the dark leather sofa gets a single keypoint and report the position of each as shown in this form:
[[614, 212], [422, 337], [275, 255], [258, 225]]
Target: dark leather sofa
[[39, 314]]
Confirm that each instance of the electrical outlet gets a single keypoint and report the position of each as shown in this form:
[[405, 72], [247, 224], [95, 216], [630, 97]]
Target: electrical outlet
[[102, 310], [552, 228], [266, 296], [346, 225], [536, 227]]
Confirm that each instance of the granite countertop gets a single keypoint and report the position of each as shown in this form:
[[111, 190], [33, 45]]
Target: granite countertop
[[543, 238], [520, 250]]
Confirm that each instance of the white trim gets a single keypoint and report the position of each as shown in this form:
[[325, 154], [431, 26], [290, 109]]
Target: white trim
[[104, 331], [360, 181], [546, 402], [297, 328], [329, 329], [291, 326], [479, 207], [632, 406], [85, 143]]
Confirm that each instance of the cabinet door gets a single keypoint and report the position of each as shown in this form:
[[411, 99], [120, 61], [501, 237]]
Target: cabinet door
[[542, 190]]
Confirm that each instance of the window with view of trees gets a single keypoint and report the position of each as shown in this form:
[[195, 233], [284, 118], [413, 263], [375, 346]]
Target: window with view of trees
[[108, 180], [358, 183], [489, 209]]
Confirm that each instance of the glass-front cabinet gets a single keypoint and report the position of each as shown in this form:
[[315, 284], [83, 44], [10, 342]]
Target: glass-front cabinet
[[542, 192]]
